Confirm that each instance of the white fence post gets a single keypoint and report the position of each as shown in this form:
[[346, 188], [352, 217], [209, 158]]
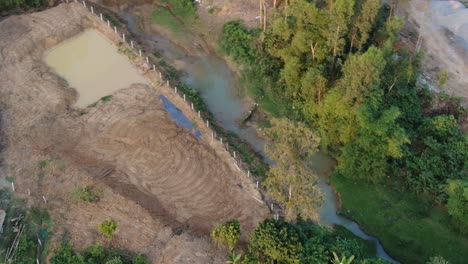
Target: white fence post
[[198, 113], [248, 173], [100, 16], [160, 75], [115, 29], [139, 52], [192, 106], [257, 184], [84, 4], [207, 123], [45, 199], [147, 60], [154, 67], [234, 154], [221, 140], [92, 9], [184, 97], [131, 43], [108, 23], [175, 89], [123, 37], [13, 186], [212, 136]]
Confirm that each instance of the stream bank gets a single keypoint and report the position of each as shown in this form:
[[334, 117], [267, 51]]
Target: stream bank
[[213, 79]]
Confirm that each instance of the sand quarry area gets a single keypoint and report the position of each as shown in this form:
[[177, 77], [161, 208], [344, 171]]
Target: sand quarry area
[[443, 28], [164, 186]]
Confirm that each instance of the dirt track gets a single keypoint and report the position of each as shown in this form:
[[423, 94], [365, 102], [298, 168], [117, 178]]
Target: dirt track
[[163, 179]]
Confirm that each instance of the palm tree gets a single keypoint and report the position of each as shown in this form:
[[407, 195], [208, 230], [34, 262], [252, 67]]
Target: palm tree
[[233, 258], [343, 259]]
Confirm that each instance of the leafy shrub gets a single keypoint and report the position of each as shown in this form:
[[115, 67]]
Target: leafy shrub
[[66, 255], [95, 254], [84, 194], [108, 228], [236, 41], [458, 204], [227, 233]]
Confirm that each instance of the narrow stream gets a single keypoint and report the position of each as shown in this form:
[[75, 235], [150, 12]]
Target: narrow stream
[[218, 86]]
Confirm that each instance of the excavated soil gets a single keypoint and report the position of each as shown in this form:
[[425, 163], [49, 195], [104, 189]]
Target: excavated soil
[[165, 187]]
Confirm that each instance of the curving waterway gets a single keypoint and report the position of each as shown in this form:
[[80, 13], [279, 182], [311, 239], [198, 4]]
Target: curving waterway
[[220, 90]]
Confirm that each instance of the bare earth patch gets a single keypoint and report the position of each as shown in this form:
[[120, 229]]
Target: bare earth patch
[[165, 187], [443, 26]]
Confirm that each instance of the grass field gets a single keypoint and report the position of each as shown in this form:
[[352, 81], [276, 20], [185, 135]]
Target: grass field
[[409, 231], [175, 14]]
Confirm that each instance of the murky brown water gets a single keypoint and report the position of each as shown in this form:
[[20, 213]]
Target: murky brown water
[[92, 65]]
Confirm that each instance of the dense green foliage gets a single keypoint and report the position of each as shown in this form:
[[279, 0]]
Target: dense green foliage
[[236, 41], [95, 254], [36, 222], [25, 4], [341, 68], [227, 234], [281, 242], [458, 204]]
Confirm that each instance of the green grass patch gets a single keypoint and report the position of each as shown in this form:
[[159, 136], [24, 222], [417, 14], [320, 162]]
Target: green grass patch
[[85, 194], [43, 164], [163, 17], [368, 246], [410, 230], [174, 14], [113, 19]]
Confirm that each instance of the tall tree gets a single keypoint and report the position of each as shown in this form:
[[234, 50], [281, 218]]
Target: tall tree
[[340, 12], [363, 23], [289, 181], [337, 116]]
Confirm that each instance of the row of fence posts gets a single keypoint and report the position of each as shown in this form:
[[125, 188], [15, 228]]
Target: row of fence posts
[[159, 75]]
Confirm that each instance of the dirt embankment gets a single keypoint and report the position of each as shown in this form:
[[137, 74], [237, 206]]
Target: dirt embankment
[[442, 29], [166, 188]]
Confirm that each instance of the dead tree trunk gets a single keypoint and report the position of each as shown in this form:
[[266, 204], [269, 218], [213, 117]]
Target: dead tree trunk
[[313, 48], [264, 16], [261, 12]]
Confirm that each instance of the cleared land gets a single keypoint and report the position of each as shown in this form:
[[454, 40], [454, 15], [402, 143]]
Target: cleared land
[[443, 28], [165, 187]]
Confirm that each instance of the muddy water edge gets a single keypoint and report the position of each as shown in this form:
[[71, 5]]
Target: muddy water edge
[[219, 88]]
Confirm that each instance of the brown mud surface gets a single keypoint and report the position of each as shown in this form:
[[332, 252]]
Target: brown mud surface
[[165, 187]]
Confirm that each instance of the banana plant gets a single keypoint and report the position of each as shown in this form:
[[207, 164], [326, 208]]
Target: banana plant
[[343, 260]]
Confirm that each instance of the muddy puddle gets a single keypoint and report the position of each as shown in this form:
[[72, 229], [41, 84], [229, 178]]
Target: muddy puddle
[[92, 65]]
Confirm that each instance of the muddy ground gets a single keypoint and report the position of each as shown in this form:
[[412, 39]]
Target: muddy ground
[[165, 187]]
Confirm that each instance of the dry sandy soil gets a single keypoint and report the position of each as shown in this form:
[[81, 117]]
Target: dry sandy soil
[[165, 187], [443, 26]]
